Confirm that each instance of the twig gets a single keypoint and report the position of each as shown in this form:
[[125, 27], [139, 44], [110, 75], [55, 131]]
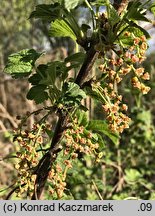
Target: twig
[[2, 127], [13, 190], [3, 95], [98, 193], [5, 114], [45, 163]]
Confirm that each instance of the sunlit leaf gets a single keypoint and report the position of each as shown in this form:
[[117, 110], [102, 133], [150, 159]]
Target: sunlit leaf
[[71, 4], [21, 64], [59, 28], [135, 29], [48, 12]]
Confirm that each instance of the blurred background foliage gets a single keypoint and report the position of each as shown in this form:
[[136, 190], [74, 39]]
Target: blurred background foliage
[[127, 169]]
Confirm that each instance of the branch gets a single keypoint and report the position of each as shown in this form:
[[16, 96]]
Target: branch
[[13, 190], [47, 160], [87, 66]]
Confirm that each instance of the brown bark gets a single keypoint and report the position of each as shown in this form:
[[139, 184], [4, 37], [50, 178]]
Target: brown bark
[[45, 163]]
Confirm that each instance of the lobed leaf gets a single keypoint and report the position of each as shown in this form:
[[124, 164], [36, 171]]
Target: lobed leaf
[[38, 94], [21, 64], [71, 4], [82, 118], [102, 127], [136, 11], [71, 94], [59, 28], [73, 90], [39, 75], [132, 176], [113, 16], [135, 29], [47, 12]]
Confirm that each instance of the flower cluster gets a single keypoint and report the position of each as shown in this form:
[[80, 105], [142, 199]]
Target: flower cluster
[[136, 54], [118, 121], [118, 62], [80, 141], [137, 80], [57, 177], [113, 107], [76, 141], [28, 157]]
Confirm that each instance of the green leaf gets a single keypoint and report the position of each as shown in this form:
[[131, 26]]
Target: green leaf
[[48, 12], [153, 8], [113, 16], [140, 31], [135, 29], [60, 69], [59, 28], [49, 133], [51, 75], [102, 127], [84, 28], [93, 94], [76, 58], [71, 4], [71, 94], [82, 118], [56, 71], [94, 137], [38, 94], [136, 11], [55, 93], [21, 64], [73, 90], [144, 117], [126, 41], [101, 142], [39, 75], [83, 108], [34, 79], [132, 176], [101, 2]]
